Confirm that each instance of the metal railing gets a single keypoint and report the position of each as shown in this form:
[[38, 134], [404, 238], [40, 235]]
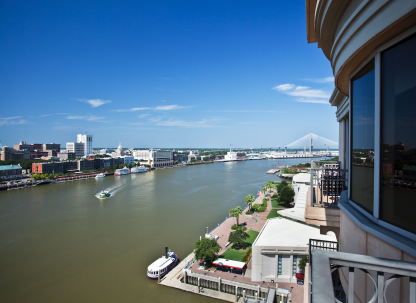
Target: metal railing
[[327, 182], [381, 272], [322, 245]]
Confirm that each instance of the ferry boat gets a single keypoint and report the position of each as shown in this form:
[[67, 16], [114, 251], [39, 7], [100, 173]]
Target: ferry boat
[[162, 265], [139, 169], [123, 171], [104, 194], [100, 175]]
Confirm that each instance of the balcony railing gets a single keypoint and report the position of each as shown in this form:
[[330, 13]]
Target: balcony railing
[[381, 273], [327, 182]]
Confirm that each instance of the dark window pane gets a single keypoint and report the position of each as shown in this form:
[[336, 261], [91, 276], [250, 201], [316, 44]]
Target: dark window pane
[[398, 135], [362, 137]]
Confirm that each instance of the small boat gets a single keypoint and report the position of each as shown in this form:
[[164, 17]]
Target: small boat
[[162, 265], [104, 194], [100, 175]]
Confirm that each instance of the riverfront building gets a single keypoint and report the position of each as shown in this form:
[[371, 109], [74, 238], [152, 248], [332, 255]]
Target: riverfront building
[[7, 153], [10, 172], [87, 141], [279, 247], [154, 157], [371, 46], [76, 148]]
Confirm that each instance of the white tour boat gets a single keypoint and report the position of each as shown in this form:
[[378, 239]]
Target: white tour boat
[[138, 169], [100, 175], [123, 171], [162, 265]]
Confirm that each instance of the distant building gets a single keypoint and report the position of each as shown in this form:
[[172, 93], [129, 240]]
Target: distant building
[[85, 164], [8, 153], [30, 147], [87, 141], [76, 148], [52, 147], [154, 157], [65, 156], [10, 172], [120, 151], [105, 151], [128, 159], [179, 157], [37, 154]]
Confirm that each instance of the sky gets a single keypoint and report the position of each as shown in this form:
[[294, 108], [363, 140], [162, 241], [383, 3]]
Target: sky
[[162, 74]]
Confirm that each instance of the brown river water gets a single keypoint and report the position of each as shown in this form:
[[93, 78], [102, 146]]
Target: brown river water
[[60, 243]]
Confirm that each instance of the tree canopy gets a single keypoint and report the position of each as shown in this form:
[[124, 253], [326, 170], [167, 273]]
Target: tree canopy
[[281, 185], [250, 199], [206, 249], [236, 212], [286, 195], [238, 237]]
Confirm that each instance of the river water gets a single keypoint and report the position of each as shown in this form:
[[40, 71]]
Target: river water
[[60, 243]]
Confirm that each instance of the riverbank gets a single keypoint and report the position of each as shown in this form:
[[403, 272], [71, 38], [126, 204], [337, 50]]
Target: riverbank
[[190, 276]]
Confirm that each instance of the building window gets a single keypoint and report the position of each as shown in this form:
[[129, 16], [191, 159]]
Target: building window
[[279, 265], [295, 265], [398, 139], [362, 137]]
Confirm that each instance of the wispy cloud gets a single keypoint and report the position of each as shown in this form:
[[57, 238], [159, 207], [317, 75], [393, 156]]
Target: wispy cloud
[[95, 102], [48, 115], [321, 80], [153, 120], [206, 123], [304, 93], [143, 116], [158, 108], [88, 118], [131, 109], [12, 121]]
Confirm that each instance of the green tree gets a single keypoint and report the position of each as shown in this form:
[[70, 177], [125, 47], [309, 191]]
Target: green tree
[[206, 249], [236, 212], [281, 185], [130, 165], [50, 176], [250, 199], [36, 177], [116, 166], [286, 196], [302, 263], [206, 159], [238, 237]]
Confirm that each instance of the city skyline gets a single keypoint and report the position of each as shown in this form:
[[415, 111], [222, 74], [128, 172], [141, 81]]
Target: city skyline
[[201, 74]]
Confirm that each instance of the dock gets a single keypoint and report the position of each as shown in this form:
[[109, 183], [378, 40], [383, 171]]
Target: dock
[[272, 171]]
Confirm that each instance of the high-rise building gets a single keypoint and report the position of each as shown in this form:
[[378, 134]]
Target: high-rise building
[[76, 148], [87, 140]]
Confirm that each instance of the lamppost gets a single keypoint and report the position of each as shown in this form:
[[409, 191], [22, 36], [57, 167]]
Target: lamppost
[[207, 230], [261, 277], [204, 266]]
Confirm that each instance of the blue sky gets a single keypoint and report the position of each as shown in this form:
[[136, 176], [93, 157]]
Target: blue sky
[[162, 73]]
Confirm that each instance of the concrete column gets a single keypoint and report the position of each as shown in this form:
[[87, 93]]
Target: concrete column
[[244, 296], [259, 290], [199, 285], [219, 284], [185, 277], [158, 276], [256, 297], [236, 293]]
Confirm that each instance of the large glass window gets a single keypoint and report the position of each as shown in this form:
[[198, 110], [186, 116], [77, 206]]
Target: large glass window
[[398, 135], [362, 134]]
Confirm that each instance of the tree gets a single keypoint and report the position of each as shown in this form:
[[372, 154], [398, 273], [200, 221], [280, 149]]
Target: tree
[[281, 185], [116, 166], [236, 212], [50, 176], [36, 177], [302, 263], [286, 196], [250, 199], [206, 249], [238, 237], [111, 167], [206, 159], [130, 165]]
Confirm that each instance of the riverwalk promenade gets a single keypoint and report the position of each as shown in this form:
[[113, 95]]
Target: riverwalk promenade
[[255, 222]]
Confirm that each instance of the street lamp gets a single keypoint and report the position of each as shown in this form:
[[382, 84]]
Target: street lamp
[[261, 277], [204, 266], [207, 230]]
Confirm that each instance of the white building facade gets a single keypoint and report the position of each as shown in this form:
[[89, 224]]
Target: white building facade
[[87, 141], [154, 157], [77, 148]]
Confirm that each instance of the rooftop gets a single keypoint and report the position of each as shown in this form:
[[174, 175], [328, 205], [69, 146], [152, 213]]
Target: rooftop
[[283, 232], [6, 167]]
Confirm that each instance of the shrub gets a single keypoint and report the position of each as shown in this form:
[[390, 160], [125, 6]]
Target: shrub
[[238, 227], [250, 212], [264, 201], [261, 208], [248, 253], [255, 206]]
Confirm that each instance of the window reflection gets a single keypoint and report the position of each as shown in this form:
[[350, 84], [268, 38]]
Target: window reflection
[[362, 133], [398, 138]]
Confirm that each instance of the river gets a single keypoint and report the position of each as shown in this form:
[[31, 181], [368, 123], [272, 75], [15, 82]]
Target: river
[[60, 243]]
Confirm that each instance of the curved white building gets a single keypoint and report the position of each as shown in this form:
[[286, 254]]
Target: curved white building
[[371, 46]]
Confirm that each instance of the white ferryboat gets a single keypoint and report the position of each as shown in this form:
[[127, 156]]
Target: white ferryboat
[[162, 265], [138, 169], [100, 175], [123, 171]]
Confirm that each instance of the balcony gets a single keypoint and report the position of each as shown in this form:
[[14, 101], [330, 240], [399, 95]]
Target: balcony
[[377, 273], [327, 183]]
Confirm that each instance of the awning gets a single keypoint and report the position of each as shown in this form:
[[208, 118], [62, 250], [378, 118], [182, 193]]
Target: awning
[[229, 263], [300, 276]]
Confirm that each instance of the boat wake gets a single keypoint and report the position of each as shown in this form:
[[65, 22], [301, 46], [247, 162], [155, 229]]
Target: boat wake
[[113, 190]]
